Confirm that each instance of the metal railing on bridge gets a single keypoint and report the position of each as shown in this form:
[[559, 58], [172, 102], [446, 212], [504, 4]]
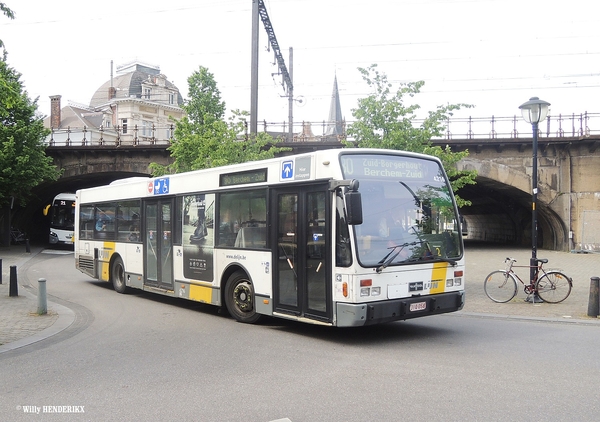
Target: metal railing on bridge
[[514, 127], [560, 126], [113, 136]]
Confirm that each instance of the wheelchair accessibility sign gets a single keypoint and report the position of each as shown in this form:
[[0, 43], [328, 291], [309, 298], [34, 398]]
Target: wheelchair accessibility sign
[[159, 186]]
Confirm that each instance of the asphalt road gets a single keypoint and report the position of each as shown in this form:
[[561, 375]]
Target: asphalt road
[[145, 357]]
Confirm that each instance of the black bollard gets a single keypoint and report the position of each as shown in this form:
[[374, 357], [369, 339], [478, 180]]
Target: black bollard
[[13, 290], [27, 248], [594, 301]]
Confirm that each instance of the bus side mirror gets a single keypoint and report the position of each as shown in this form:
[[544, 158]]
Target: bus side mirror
[[463, 225], [45, 210], [354, 207]]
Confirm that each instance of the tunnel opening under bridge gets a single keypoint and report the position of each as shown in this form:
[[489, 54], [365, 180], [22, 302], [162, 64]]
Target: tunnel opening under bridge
[[502, 214]]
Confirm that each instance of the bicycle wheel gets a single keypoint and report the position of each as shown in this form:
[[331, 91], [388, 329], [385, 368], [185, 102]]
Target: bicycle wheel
[[500, 286], [554, 287]]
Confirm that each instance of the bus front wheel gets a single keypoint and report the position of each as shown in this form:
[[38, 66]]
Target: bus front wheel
[[117, 275], [239, 298]]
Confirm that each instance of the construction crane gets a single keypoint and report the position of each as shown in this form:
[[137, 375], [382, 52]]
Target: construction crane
[[259, 10]]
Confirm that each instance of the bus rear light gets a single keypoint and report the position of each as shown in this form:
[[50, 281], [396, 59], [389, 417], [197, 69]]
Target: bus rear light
[[345, 289], [458, 273], [366, 283], [364, 291], [375, 291]]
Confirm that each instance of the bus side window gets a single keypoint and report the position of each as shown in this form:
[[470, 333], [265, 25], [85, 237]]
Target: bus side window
[[128, 221], [242, 210], [105, 221], [343, 254], [86, 222]]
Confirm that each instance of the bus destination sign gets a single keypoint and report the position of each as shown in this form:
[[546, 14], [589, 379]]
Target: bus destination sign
[[243, 177], [388, 167]]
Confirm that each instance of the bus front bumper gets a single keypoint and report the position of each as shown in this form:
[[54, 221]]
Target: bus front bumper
[[358, 314]]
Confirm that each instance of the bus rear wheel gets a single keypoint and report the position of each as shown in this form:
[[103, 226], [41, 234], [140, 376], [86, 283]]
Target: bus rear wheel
[[117, 275], [239, 298]]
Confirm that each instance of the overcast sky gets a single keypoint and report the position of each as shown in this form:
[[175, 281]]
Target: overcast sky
[[494, 54]]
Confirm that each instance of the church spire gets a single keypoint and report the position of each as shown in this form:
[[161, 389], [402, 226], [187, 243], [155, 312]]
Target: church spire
[[334, 123]]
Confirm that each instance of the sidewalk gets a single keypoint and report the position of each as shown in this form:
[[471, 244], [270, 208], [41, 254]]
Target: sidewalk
[[483, 259], [20, 324]]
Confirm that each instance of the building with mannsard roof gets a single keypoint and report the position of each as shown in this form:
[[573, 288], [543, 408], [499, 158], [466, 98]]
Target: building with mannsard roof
[[137, 106]]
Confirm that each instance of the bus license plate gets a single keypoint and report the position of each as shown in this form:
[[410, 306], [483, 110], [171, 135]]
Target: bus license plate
[[419, 306]]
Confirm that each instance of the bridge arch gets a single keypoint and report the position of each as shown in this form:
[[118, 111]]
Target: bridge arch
[[501, 207], [85, 167]]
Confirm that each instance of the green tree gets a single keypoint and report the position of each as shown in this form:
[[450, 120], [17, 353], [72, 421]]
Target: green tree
[[204, 105], [203, 139], [383, 120], [23, 160], [8, 13]]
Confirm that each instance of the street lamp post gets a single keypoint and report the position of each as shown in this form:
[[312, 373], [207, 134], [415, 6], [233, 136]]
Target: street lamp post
[[534, 111]]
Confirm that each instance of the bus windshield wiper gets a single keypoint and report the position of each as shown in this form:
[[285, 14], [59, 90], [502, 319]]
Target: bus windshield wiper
[[433, 258], [395, 250], [448, 260]]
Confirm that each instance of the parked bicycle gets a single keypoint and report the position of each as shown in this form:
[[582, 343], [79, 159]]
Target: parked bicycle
[[551, 286], [17, 237]]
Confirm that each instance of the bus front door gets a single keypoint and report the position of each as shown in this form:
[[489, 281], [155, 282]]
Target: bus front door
[[158, 260], [302, 282]]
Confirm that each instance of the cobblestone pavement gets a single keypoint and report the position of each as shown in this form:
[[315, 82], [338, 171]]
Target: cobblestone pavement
[[20, 323], [482, 260]]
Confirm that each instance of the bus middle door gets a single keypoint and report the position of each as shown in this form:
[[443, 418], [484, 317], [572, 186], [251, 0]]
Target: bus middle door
[[302, 282], [158, 243]]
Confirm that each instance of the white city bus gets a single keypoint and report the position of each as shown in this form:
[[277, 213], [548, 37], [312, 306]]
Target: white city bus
[[343, 237], [62, 219]]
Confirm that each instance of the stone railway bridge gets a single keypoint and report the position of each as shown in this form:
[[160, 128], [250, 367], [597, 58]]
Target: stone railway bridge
[[568, 201], [568, 180]]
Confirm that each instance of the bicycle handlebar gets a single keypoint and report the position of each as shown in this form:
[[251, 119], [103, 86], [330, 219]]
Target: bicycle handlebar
[[538, 260]]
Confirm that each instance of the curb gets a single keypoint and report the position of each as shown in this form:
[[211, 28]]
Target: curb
[[527, 318], [66, 316]]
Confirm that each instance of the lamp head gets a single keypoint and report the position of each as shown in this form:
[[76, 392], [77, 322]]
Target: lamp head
[[534, 110]]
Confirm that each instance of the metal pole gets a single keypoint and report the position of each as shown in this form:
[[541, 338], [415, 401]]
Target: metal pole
[[594, 301], [0, 270], [13, 289], [291, 98], [254, 72], [42, 308], [534, 183]]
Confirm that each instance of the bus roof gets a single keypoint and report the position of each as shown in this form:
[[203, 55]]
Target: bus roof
[[314, 165]]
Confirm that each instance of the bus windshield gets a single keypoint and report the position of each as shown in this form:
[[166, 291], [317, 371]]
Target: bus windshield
[[408, 211], [63, 214]]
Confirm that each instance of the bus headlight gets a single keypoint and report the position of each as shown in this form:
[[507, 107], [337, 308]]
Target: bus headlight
[[454, 282], [370, 291]]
